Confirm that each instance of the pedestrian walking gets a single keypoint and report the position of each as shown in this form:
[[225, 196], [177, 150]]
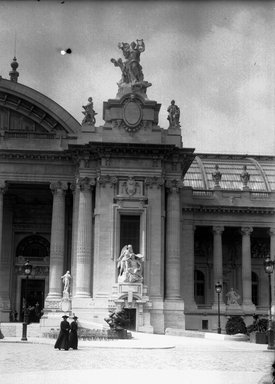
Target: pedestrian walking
[[62, 341], [73, 337]]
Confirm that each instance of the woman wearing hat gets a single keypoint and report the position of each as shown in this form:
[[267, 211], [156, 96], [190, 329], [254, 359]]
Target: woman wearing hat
[[62, 341], [73, 338]]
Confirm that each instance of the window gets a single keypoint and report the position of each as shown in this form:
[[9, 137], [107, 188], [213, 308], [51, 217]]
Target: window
[[199, 281], [130, 231]]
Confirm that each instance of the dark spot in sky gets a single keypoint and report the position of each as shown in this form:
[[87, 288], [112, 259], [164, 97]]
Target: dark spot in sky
[[68, 50]]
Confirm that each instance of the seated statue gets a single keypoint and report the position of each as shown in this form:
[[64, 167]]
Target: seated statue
[[232, 297], [129, 266]]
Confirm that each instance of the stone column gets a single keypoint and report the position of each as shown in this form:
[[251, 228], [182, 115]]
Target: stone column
[[74, 234], [84, 240], [272, 256], [173, 241], [173, 305], [217, 262], [57, 241], [4, 268], [246, 270], [155, 242], [188, 233]]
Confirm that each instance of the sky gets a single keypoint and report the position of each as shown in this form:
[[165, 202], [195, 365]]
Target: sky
[[216, 59]]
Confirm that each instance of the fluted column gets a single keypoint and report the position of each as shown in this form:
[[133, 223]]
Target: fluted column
[[217, 261], [246, 269], [272, 256], [2, 191], [173, 241], [84, 240], [75, 191], [57, 240]]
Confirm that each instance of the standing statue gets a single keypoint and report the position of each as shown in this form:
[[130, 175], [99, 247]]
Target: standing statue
[[174, 115], [129, 265], [66, 281], [89, 113], [232, 297]]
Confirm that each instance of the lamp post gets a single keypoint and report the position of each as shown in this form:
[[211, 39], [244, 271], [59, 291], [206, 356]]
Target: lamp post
[[27, 271], [269, 268], [218, 289]]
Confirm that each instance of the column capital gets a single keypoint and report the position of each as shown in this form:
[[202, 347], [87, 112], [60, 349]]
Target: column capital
[[58, 186], [154, 181], [217, 229], [85, 183], [246, 231], [174, 185], [271, 231], [107, 179]]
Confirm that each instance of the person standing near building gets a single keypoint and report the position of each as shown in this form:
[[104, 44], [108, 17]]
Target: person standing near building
[[62, 341], [73, 338]]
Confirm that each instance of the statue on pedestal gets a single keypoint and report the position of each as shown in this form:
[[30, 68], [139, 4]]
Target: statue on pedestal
[[174, 115], [132, 75], [130, 266], [66, 279], [89, 113]]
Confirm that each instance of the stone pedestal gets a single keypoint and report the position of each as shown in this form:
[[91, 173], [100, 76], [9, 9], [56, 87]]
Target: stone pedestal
[[133, 296]]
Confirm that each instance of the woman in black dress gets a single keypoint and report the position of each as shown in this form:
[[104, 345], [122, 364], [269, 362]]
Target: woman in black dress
[[62, 341], [73, 338]]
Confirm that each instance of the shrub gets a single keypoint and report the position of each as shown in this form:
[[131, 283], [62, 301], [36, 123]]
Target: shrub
[[234, 325], [258, 325]]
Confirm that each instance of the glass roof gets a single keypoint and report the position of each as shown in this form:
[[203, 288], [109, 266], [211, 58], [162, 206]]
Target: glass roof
[[261, 171]]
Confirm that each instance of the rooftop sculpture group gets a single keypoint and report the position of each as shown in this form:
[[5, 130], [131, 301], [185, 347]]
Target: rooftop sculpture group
[[132, 75]]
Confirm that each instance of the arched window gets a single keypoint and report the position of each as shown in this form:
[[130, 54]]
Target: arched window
[[199, 281], [33, 247], [255, 288]]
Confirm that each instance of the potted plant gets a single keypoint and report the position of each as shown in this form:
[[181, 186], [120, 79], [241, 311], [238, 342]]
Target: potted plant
[[257, 331]]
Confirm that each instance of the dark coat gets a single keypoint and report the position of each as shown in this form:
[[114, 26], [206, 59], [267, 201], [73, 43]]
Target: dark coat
[[62, 341], [73, 338]]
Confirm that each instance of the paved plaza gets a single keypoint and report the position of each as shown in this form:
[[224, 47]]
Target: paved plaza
[[146, 358]]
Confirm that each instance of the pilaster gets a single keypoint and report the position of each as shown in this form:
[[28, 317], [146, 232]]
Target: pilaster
[[272, 255]]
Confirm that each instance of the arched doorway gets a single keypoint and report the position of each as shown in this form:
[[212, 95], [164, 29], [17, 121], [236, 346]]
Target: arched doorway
[[36, 249]]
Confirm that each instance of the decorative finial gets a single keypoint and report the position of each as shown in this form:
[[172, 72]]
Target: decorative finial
[[14, 74], [217, 176], [245, 177]]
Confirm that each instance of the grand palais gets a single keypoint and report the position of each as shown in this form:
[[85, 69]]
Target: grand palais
[[74, 195]]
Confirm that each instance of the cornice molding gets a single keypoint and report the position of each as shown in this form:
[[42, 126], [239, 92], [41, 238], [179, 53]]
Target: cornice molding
[[231, 210]]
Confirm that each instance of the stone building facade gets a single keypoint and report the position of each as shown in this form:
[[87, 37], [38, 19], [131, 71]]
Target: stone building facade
[[72, 195]]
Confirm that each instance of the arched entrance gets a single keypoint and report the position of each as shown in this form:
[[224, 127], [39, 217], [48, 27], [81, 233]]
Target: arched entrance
[[36, 249]]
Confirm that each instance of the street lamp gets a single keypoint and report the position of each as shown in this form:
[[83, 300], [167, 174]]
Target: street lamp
[[269, 268], [27, 271], [218, 289]]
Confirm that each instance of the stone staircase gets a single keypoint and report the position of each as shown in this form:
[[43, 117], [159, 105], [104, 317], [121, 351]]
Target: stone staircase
[[15, 330]]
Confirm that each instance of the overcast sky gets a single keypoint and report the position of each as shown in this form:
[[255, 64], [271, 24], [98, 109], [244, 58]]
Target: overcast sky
[[216, 59]]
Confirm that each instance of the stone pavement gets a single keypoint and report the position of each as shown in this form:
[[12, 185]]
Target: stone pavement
[[146, 358]]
